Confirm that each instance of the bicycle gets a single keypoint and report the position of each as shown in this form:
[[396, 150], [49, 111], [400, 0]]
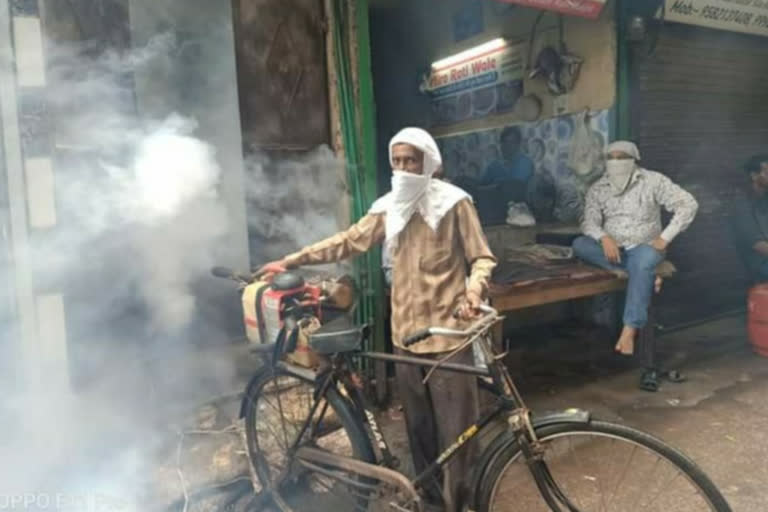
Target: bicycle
[[328, 451]]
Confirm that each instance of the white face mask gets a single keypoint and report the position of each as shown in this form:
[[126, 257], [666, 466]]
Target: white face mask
[[408, 187], [619, 172]]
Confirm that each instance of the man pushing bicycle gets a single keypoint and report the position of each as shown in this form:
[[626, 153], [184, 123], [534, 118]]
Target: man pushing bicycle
[[431, 234]]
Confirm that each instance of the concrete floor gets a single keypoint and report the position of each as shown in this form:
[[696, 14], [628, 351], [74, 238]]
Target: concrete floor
[[719, 417]]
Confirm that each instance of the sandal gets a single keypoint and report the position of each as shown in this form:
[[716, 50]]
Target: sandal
[[649, 381], [675, 376]]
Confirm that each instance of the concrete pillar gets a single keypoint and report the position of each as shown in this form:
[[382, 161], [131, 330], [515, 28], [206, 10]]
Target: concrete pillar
[[35, 335]]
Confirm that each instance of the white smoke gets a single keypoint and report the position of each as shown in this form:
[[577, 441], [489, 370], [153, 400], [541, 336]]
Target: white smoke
[[182, 216], [140, 221], [166, 208], [294, 201], [173, 170]]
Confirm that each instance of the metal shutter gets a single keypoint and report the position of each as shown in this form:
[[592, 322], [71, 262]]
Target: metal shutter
[[699, 110]]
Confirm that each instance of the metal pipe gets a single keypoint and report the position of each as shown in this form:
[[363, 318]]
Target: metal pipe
[[420, 361]]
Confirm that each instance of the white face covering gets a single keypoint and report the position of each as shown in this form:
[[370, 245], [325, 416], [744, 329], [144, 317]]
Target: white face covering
[[619, 172], [408, 187], [413, 193]]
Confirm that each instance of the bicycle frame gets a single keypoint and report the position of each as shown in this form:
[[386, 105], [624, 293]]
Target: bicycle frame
[[341, 373], [508, 402]]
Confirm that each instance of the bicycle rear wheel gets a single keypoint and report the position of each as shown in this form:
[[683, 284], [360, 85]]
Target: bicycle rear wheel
[[276, 408], [600, 467]]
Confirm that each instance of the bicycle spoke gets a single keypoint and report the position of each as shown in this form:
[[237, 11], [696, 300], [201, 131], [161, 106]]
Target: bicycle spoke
[[268, 425], [270, 440], [584, 472], [651, 472], [624, 473], [661, 490], [281, 415], [573, 455], [599, 480]]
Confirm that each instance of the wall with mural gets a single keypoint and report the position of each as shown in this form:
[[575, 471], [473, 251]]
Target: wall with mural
[[555, 192]]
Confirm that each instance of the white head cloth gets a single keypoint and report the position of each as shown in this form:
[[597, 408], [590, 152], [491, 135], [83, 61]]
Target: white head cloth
[[625, 147], [413, 193]]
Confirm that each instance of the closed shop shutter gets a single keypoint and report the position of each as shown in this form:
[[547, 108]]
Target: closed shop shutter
[[699, 110]]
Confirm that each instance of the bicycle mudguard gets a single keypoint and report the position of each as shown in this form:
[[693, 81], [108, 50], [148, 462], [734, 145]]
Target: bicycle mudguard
[[503, 440], [566, 416]]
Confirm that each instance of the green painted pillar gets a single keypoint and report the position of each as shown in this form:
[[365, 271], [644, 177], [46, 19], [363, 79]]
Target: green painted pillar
[[359, 132], [367, 110]]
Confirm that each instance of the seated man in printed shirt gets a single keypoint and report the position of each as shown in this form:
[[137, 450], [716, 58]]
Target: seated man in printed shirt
[[622, 230]]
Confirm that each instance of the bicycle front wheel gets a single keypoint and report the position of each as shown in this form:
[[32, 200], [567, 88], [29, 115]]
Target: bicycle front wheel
[[600, 467]]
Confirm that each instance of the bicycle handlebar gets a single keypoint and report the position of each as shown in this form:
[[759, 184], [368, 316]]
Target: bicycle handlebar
[[484, 321], [228, 273], [416, 337], [222, 272]]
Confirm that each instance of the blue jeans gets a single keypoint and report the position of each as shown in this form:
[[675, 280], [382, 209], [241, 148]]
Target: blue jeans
[[640, 262]]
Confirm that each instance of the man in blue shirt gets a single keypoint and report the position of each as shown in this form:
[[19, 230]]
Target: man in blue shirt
[[513, 166], [504, 181]]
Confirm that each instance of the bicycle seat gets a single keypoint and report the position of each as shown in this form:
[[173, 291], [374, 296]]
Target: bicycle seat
[[340, 335]]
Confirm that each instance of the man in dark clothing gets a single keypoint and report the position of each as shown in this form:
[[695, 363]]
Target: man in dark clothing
[[504, 180], [514, 166], [749, 220]]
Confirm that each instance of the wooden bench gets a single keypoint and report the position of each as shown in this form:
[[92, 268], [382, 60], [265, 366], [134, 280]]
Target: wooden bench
[[560, 282]]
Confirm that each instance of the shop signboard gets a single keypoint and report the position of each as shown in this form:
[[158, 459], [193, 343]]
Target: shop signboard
[[585, 8], [483, 80], [747, 16]]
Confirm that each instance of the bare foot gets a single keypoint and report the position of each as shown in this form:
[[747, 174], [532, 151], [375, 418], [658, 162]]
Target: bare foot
[[657, 284], [626, 343]]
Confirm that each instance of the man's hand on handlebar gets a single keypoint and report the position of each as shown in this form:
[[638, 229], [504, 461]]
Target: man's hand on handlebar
[[470, 308], [485, 317]]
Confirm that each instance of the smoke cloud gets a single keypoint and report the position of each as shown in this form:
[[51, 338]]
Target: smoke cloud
[[140, 221], [294, 201]]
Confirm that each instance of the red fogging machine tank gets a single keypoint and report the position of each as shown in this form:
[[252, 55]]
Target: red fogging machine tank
[[265, 302], [757, 322]]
